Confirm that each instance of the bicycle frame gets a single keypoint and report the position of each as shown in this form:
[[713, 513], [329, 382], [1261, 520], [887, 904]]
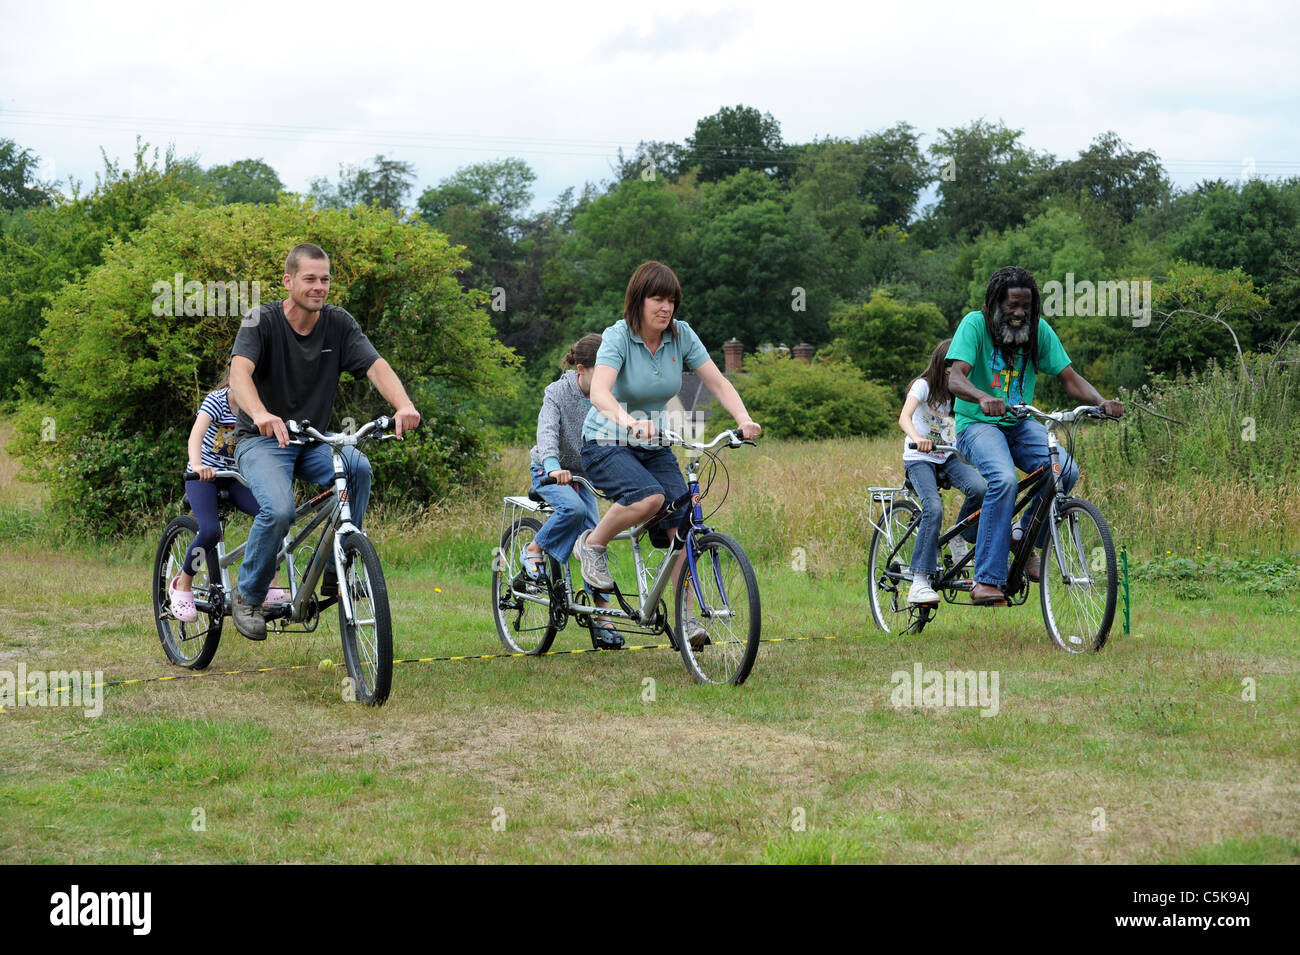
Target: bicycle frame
[[331, 508], [649, 592]]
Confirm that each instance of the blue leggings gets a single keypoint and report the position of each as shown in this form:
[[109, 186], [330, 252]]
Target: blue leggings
[[203, 501]]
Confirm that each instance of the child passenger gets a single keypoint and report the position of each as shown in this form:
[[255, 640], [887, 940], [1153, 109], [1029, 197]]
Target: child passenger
[[927, 420]]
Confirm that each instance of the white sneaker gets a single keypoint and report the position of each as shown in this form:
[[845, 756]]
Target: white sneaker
[[959, 548], [920, 592]]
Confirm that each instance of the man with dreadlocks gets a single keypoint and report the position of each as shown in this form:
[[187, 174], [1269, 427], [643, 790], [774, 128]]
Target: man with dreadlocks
[[994, 360]]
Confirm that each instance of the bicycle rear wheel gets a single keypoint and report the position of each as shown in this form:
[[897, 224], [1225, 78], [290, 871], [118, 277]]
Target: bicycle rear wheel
[[890, 557], [521, 606], [720, 644], [194, 644], [367, 631], [1080, 583]]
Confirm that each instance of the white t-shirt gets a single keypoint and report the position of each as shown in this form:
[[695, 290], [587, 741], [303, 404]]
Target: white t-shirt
[[937, 424]]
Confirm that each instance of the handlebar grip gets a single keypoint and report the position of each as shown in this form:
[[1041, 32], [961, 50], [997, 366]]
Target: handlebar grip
[[191, 475], [547, 481]]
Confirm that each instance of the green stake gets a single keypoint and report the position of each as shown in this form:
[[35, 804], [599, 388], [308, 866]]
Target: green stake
[[1123, 556]]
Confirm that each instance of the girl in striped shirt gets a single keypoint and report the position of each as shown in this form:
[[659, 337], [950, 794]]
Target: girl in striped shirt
[[212, 449]]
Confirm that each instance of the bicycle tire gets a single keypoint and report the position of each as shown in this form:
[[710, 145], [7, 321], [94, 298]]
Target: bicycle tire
[[190, 645], [368, 633], [732, 616], [523, 625], [1078, 610], [887, 591]]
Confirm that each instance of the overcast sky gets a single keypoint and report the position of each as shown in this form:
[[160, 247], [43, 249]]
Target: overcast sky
[[1208, 86]]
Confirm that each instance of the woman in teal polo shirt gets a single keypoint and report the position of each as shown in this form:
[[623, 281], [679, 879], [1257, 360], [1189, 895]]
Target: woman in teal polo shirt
[[638, 369]]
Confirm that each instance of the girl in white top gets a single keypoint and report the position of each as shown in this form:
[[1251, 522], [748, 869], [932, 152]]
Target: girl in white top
[[927, 420]]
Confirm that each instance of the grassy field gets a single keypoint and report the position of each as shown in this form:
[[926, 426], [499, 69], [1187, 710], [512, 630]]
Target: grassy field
[[1177, 743]]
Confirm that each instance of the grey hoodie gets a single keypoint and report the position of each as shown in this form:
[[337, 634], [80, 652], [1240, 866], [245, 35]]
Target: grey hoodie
[[559, 425]]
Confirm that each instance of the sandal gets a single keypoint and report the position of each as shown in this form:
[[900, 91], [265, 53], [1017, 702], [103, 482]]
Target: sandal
[[533, 564], [605, 637], [276, 595]]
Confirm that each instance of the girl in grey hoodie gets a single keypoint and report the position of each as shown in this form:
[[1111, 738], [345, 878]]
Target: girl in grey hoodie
[[558, 454]]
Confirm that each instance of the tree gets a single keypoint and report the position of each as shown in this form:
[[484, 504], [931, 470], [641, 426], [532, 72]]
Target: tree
[[246, 180], [126, 374], [987, 180], [385, 184], [1204, 315], [1110, 174], [44, 248], [887, 340], [650, 160], [750, 267], [894, 172], [796, 400], [735, 138], [636, 221], [19, 188]]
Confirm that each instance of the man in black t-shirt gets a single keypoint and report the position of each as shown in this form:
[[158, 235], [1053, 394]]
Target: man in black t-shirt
[[285, 365]]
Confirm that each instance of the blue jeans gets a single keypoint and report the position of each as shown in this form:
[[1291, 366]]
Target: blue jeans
[[575, 512], [269, 470], [924, 476], [997, 452]]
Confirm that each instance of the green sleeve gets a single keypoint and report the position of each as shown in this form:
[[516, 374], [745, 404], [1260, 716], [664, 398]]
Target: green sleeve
[[966, 342], [1052, 359]]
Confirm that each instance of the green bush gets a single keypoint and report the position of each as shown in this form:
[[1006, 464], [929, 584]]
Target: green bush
[[794, 399], [125, 380]]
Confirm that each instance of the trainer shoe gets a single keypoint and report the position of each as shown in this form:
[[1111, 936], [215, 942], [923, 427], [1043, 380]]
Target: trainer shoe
[[182, 603], [959, 547], [695, 632], [248, 618], [595, 570], [921, 592]]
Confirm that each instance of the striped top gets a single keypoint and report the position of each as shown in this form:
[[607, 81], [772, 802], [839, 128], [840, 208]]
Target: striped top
[[219, 439]]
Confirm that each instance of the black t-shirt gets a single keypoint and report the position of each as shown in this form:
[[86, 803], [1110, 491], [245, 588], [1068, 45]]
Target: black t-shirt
[[297, 375]]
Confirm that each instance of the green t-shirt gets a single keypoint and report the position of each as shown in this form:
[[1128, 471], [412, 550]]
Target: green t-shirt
[[990, 373]]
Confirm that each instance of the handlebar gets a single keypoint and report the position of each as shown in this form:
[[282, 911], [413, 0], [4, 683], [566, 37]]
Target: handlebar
[[1020, 412], [340, 439], [302, 432]]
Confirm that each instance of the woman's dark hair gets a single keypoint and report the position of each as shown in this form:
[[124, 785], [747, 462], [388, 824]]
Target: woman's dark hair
[[1002, 282], [651, 279], [583, 351], [936, 375]]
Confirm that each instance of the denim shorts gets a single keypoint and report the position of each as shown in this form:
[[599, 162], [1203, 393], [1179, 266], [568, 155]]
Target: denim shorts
[[627, 474]]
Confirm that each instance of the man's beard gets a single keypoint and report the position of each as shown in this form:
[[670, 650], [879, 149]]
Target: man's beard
[[1006, 335]]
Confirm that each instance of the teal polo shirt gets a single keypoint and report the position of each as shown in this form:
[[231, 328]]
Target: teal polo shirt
[[645, 382]]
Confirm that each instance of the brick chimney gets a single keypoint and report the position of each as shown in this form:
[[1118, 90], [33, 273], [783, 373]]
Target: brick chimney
[[804, 352], [732, 353]]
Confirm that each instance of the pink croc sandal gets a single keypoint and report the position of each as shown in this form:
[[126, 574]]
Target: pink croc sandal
[[276, 595], [182, 603]]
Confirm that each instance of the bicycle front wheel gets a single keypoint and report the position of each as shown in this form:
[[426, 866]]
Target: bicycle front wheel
[[719, 639], [193, 644], [889, 560], [521, 606], [1079, 580], [368, 630]]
